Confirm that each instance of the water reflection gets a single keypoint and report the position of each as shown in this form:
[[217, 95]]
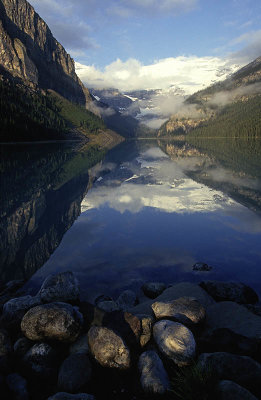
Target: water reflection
[[42, 187], [149, 217]]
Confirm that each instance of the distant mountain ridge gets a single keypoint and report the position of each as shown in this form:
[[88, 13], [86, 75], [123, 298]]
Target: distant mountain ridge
[[227, 108]]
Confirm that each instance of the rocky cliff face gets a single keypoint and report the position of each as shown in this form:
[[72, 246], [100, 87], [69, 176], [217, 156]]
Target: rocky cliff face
[[29, 51]]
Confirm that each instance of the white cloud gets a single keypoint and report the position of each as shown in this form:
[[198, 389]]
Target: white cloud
[[189, 73]]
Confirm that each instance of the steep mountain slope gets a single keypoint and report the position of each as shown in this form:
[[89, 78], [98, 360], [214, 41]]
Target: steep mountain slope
[[228, 109]]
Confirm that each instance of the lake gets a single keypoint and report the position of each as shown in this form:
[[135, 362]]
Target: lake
[[148, 211]]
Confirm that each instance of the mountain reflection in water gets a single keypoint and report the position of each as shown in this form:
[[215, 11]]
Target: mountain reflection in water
[[155, 209]]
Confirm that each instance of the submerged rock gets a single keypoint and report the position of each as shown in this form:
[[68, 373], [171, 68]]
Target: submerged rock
[[75, 372], [21, 346], [153, 289], [201, 267], [175, 341], [108, 348], [15, 309], [230, 291], [240, 369], [228, 390], [5, 343], [108, 306], [186, 310], [80, 345], [154, 378], [63, 287], [54, 321]]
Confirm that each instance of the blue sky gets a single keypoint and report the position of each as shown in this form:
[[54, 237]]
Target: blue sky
[[118, 40]]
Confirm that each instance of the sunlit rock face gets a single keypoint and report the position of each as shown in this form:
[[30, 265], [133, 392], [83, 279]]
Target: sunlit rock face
[[29, 51]]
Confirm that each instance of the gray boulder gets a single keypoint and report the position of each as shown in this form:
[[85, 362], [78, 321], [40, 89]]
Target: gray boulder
[[235, 317], [80, 345], [75, 373], [54, 321], [153, 289], [175, 341], [230, 291], [15, 309], [228, 390], [68, 396], [240, 369], [18, 386], [154, 378], [186, 310], [63, 287], [108, 348], [183, 289], [41, 361], [127, 300]]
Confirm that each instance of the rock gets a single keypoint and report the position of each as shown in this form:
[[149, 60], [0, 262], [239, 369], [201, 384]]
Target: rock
[[175, 341], [228, 390], [235, 317], [101, 298], [108, 306], [75, 372], [15, 309], [223, 339], [68, 396], [201, 267], [154, 378], [54, 321], [183, 289], [63, 287], [240, 369], [254, 308], [153, 289], [108, 348], [186, 310], [230, 291], [80, 346], [146, 328], [5, 343], [41, 361], [21, 346], [18, 386], [126, 300]]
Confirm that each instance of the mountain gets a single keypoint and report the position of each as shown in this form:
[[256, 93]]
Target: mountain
[[41, 96], [117, 100], [230, 108]]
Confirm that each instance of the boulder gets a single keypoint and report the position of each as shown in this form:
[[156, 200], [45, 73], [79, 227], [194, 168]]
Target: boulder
[[153, 289], [54, 321], [199, 266], [75, 373], [235, 317], [68, 396], [228, 390], [186, 310], [127, 300], [230, 291], [15, 309], [240, 369], [63, 287], [41, 361], [5, 343], [18, 386], [108, 306], [175, 341], [183, 289], [101, 298], [146, 323], [108, 348], [154, 378], [21, 346], [80, 345], [224, 339]]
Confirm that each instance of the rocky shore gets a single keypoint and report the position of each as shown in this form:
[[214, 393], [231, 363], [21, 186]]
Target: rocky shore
[[185, 341]]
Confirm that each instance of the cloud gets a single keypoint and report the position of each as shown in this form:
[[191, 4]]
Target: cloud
[[190, 73]]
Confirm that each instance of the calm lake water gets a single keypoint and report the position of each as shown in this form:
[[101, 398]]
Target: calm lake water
[[148, 211]]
